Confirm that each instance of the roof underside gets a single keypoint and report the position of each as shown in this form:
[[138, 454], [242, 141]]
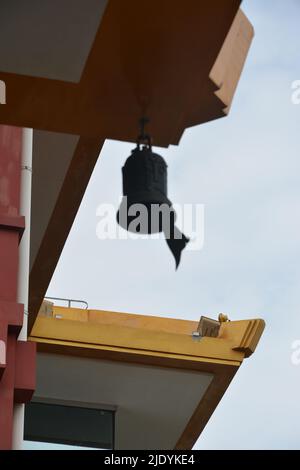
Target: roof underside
[[93, 68], [145, 398]]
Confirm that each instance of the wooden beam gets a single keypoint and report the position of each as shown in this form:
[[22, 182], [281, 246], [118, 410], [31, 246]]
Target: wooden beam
[[61, 220]]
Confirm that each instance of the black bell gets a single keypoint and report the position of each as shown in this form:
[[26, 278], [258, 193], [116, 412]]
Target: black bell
[[145, 207]]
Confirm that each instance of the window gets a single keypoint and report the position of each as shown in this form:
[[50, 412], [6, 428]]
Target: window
[[70, 425]]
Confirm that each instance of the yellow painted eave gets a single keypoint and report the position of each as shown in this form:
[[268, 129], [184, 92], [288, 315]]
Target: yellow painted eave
[[95, 330]]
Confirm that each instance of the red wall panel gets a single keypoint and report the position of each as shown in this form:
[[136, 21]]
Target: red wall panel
[[17, 361]]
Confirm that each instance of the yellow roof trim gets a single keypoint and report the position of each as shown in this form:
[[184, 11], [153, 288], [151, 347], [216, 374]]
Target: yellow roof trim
[[95, 329]]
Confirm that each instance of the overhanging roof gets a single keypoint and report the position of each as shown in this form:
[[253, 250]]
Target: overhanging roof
[[92, 68], [80, 71], [163, 383]]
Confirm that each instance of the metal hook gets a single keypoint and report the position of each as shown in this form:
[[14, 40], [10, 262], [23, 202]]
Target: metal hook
[[143, 137]]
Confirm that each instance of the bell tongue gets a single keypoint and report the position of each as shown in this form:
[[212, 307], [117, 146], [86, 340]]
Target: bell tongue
[[176, 241]]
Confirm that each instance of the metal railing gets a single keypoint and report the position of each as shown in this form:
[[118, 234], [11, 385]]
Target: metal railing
[[69, 301]]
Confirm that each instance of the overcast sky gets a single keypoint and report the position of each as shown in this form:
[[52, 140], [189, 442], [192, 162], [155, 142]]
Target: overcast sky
[[246, 170]]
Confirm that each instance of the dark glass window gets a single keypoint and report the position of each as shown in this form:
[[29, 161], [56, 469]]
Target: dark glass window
[[72, 425]]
